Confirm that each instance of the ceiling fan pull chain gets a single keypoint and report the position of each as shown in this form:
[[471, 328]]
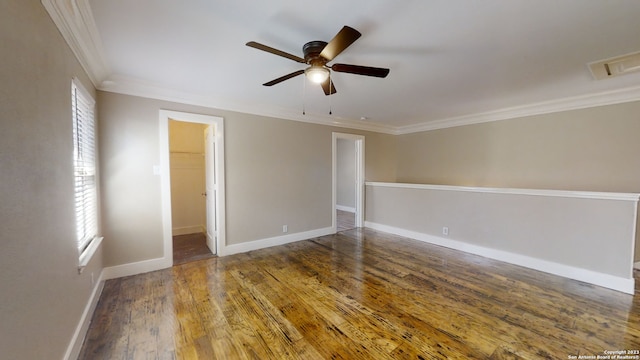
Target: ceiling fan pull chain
[[304, 91], [330, 87]]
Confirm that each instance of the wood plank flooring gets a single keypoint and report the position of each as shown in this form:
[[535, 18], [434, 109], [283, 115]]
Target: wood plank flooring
[[360, 294], [345, 220], [190, 247]]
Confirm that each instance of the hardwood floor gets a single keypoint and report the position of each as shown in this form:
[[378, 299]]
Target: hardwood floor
[[345, 220], [190, 247], [359, 294]]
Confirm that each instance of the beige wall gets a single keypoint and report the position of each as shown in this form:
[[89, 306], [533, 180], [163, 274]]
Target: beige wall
[[186, 137], [277, 172], [596, 149], [42, 296]]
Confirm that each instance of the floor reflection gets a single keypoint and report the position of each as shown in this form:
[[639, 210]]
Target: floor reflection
[[357, 294]]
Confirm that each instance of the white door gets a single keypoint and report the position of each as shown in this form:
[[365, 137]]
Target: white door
[[210, 187]]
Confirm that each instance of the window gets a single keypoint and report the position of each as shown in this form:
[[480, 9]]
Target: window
[[84, 166]]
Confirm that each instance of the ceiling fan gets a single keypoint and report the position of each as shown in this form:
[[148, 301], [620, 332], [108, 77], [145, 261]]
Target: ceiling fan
[[317, 54]]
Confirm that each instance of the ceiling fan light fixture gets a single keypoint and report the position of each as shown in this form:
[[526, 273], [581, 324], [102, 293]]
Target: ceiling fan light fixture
[[317, 74], [316, 56]]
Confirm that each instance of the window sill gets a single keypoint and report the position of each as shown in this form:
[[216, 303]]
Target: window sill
[[88, 253]]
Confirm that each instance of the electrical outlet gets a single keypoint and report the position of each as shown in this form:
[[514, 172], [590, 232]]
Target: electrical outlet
[[445, 231], [285, 228]]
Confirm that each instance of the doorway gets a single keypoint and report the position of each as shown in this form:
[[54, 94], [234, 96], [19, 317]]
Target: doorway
[[348, 181], [189, 211], [191, 145]]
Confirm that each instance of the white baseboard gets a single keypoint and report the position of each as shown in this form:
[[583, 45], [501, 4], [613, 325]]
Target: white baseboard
[[73, 351], [140, 267], [274, 241], [108, 273], [185, 230], [346, 208], [571, 272], [136, 268]]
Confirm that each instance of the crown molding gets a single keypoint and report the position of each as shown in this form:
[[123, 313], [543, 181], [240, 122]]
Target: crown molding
[[135, 87], [130, 86], [612, 97], [76, 23]]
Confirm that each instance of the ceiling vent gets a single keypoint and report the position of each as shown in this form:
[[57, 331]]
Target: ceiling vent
[[617, 66]]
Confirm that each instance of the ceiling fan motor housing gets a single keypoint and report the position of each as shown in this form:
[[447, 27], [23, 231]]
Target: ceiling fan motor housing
[[312, 50]]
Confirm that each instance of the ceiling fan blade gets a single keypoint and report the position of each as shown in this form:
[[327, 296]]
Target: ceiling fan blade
[[283, 78], [327, 87], [341, 41], [360, 70], [271, 50]]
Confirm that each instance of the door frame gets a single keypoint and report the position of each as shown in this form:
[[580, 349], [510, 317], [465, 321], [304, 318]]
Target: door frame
[[165, 176], [360, 177]]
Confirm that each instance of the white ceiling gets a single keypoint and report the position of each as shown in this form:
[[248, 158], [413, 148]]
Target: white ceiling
[[451, 61]]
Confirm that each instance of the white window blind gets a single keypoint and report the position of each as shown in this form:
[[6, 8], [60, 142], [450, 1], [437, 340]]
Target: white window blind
[[84, 166]]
